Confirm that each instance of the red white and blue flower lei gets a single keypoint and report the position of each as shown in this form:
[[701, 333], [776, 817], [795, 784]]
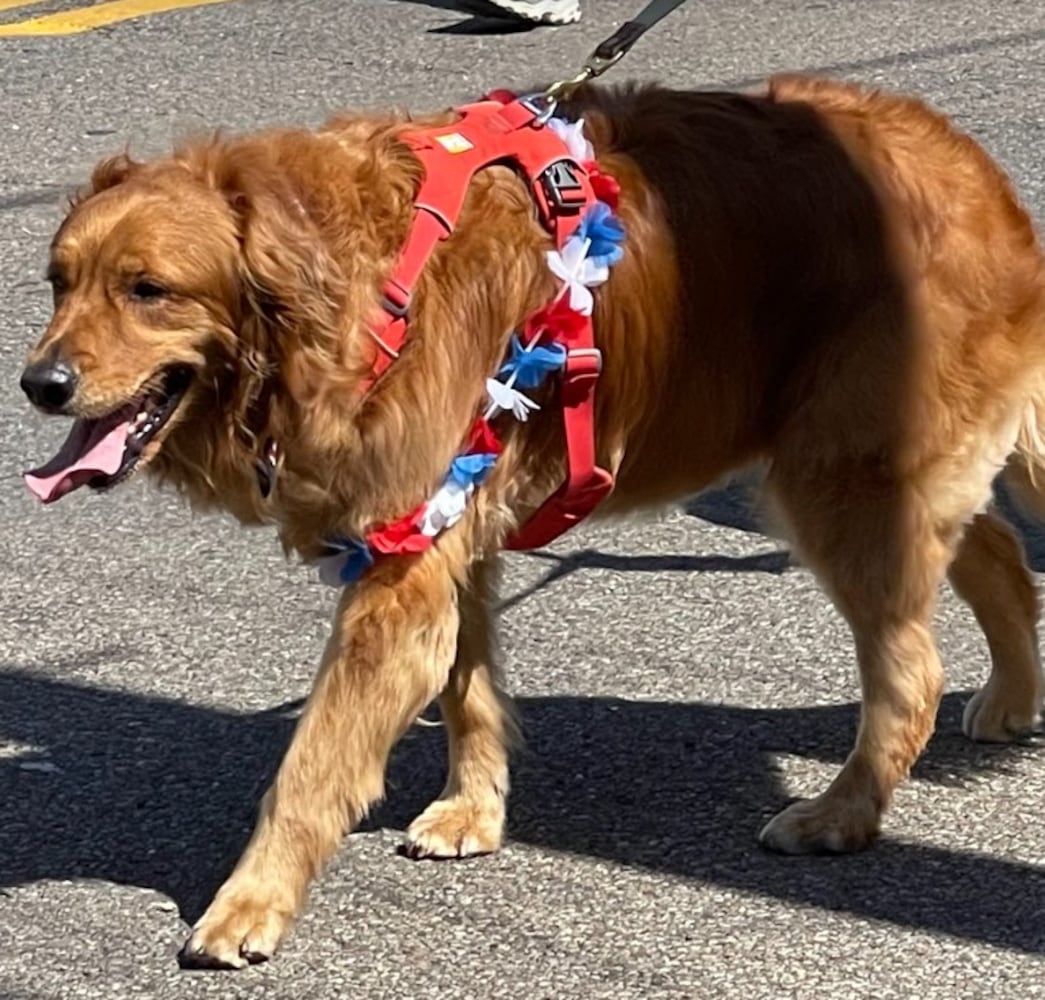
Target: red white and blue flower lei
[[583, 263]]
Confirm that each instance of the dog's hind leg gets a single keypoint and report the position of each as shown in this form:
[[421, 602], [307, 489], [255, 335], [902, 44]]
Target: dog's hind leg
[[880, 553], [391, 651], [990, 574], [468, 818]]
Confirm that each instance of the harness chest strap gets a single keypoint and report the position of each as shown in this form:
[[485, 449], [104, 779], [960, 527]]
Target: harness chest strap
[[485, 134]]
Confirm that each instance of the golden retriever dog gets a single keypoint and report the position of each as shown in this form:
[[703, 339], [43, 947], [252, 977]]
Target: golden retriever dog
[[828, 280]]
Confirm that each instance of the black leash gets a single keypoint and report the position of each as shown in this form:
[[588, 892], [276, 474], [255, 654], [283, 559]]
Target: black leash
[[614, 48], [631, 31]]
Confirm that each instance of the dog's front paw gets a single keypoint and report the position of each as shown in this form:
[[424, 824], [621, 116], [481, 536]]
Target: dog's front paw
[[242, 926], [824, 825], [457, 828], [1000, 714]]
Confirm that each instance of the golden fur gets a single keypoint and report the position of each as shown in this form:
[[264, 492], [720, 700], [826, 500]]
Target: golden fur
[[826, 279]]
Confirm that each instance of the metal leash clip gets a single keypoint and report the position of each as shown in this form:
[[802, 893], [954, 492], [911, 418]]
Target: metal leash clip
[[595, 65]]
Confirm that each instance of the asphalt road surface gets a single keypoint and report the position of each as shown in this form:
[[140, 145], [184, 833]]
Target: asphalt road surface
[[679, 679]]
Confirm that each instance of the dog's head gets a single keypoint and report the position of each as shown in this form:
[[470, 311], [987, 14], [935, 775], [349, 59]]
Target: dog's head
[[141, 312], [211, 303], [184, 290]]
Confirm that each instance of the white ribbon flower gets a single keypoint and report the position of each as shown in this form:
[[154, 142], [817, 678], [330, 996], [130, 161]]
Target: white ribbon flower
[[446, 507], [504, 397], [578, 272], [572, 134]]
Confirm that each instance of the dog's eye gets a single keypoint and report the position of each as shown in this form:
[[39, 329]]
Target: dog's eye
[[147, 290]]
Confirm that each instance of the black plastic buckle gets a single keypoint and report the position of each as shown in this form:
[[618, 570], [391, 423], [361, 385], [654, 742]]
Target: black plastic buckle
[[562, 187]]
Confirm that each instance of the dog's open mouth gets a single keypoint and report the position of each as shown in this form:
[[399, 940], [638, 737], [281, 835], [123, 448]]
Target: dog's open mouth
[[103, 451]]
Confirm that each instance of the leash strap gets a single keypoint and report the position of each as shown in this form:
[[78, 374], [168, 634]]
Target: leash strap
[[614, 47]]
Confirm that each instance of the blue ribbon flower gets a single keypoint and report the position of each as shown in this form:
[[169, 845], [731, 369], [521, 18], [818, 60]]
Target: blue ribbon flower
[[347, 561], [471, 470], [605, 232], [530, 366]]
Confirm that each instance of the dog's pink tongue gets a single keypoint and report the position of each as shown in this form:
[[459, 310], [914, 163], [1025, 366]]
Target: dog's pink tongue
[[92, 448]]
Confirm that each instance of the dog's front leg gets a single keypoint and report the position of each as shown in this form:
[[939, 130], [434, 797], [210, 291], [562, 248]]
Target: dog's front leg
[[392, 647]]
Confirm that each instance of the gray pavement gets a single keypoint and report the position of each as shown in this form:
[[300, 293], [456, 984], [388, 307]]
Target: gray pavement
[[679, 680]]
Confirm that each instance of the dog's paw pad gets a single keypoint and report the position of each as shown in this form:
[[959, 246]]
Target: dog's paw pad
[[994, 716], [813, 826], [235, 932], [456, 828]]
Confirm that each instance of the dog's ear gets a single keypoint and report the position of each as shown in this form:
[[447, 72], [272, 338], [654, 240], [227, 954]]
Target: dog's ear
[[289, 275], [293, 288], [290, 340]]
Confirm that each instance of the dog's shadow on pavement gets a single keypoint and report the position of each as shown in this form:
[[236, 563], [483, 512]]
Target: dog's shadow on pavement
[[684, 788], [161, 794], [109, 785]]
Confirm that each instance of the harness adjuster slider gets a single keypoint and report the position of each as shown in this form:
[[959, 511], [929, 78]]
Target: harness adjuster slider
[[580, 373], [562, 187], [395, 300], [583, 362]]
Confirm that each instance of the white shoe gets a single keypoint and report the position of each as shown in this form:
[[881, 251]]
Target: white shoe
[[537, 11]]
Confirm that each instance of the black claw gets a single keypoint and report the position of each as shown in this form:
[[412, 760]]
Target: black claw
[[255, 957], [197, 958]]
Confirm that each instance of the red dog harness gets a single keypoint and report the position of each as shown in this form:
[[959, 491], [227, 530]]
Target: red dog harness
[[510, 132]]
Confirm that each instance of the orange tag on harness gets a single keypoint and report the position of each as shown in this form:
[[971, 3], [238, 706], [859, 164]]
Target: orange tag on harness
[[454, 143]]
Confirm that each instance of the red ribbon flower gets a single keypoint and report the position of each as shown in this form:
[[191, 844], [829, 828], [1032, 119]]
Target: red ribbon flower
[[556, 321], [605, 187], [500, 96], [482, 440], [402, 536]]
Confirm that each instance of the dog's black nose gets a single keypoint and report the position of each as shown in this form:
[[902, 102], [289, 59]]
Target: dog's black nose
[[49, 384]]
